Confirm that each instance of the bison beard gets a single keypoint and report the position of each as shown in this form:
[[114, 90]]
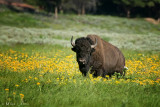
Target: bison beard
[[98, 56]]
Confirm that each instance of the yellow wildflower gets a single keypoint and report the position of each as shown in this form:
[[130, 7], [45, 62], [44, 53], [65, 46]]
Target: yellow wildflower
[[17, 85], [30, 77], [22, 96], [14, 93], [117, 82], [38, 83], [35, 78], [6, 89], [107, 76]]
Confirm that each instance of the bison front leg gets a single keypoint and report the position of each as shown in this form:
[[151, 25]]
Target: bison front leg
[[84, 70], [98, 72]]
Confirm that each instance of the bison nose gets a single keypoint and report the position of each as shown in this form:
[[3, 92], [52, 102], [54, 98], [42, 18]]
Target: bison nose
[[82, 60]]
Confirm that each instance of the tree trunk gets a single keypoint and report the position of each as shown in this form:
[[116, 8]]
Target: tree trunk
[[83, 10], [79, 12], [159, 16], [128, 13], [56, 13]]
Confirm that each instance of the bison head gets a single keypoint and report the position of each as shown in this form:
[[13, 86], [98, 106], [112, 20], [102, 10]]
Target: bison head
[[83, 47]]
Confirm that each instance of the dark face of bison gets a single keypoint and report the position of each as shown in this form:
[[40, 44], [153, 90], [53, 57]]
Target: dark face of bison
[[83, 47]]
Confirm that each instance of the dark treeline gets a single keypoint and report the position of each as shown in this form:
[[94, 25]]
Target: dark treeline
[[125, 8], [130, 8]]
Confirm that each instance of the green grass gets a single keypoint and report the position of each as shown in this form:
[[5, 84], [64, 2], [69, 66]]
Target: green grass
[[134, 34], [79, 23], [20, 20], [79, 94]]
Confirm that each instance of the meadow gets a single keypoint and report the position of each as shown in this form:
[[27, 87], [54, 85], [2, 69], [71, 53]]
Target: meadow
[[38, 67]]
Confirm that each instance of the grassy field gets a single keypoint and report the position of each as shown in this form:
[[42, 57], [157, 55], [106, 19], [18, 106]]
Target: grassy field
[[38, 67], [133, 34]]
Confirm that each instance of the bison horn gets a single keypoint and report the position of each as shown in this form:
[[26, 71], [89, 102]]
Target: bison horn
[[72, 43], [93, 46]]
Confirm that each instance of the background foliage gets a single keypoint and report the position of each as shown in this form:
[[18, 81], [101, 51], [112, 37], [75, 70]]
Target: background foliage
[[128, 8]]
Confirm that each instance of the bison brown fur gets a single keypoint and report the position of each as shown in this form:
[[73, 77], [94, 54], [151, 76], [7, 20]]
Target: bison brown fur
[[98, 56]]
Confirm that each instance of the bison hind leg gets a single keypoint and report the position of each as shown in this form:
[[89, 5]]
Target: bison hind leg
[[115, 73], [84, 74]]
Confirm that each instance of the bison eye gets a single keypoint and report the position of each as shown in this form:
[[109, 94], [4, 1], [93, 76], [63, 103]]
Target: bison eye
[[92, 50]]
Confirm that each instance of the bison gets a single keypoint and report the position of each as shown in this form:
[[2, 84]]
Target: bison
[[98, 56]]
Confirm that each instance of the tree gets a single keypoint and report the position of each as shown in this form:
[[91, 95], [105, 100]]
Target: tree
[[83, 5], [145, 8], [80, 6], [56, 4], [47, 5], [154, 5], [128, 5], [32, 2]]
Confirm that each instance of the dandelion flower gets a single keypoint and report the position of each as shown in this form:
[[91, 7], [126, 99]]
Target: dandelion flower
[[6, 89], [38, 83], [117, 82], [30, 77], [40, 75], [35, 78], [22, 96], [17, 85], [107, 76], [14, 93]]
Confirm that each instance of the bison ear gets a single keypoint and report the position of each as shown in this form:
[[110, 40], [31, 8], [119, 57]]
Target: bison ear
[[92, 43]]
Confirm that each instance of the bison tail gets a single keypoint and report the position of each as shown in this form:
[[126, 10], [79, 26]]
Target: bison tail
[[125, 68]]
